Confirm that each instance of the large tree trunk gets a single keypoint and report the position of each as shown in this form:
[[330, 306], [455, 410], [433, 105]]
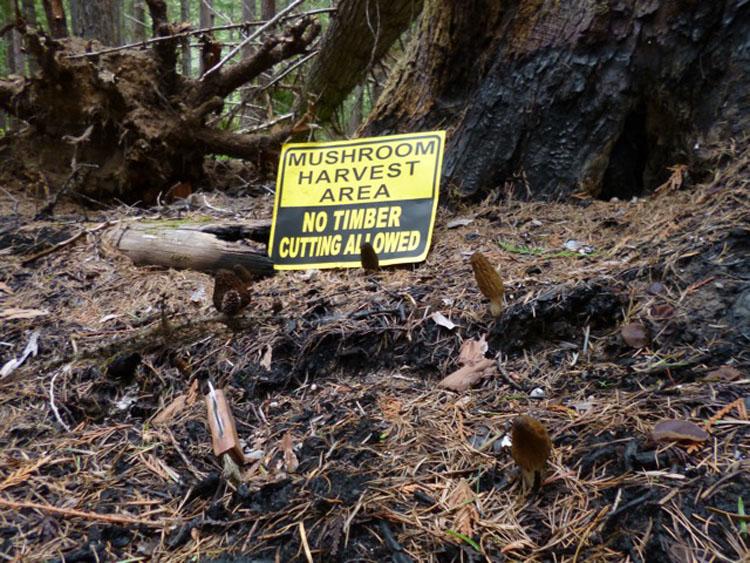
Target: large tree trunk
[[564, 96], [360, 33], [125, 124]]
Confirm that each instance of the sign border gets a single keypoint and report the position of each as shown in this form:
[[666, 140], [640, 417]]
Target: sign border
[[440, 135]]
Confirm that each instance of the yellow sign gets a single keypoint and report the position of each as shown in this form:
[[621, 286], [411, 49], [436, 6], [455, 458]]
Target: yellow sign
[[333, 197]]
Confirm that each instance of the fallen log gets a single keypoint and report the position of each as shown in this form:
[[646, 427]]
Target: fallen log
[[202, 247]]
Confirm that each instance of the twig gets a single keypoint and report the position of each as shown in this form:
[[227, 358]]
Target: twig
[[111, 518], [52, 400], [200, 31], [250, 37], [292, 67], [305, 545]]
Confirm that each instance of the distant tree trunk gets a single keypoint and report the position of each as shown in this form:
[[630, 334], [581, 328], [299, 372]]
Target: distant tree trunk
[[268, 9], [55, 13], [97, 20], [187, 59], [361, 32], [206, 16], [29, 15], [10, 55], [139, 25], [249, 11], [568, 96]]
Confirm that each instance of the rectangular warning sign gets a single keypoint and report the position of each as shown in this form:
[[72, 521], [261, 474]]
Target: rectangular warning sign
[[332, 197]]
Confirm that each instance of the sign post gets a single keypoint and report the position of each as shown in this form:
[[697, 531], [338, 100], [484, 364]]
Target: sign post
[[332, 197]]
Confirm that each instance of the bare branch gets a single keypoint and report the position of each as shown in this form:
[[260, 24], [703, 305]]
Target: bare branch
[[294, 41], [250, 37]]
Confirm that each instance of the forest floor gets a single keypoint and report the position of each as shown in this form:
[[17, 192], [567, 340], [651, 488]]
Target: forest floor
[[355, 453]]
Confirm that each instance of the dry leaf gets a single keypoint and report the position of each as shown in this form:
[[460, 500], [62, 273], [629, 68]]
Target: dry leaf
[[441, 320], [290, 459], [459, 222], [635, 335], [462, 501], [724, 373], [6, 288], [662, 311], [675, 180], [678, 431], [14, 314], [168, 413], [31, 349], [472, 351], [463, 378], [265, 361]]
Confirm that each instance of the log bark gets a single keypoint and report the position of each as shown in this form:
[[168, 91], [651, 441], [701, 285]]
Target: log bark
[[204, 248], [360, 33], [553, 97]]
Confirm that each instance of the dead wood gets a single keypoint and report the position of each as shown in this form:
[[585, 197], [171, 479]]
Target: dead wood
[[187, 247], [149, 125]]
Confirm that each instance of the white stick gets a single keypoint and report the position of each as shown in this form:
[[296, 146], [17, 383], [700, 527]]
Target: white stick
[[52, 399]]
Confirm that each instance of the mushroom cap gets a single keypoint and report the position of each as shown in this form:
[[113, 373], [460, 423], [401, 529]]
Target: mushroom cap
[[488, 279]]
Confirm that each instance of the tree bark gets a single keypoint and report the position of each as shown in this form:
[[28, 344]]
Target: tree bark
[[139, 25], [562, 96], [55, 13], [187, 59], [193, 247], [268, 9], [206, 19], [360, 33], [97, 20], [29, 16]]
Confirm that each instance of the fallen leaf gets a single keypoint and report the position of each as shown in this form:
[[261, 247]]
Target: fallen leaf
[[14, 314], [662, 311], [6, 288], [462, 501], [441, 320], [31, 349], [168, 413], [678, 431], [635, 335], [724, 373], [459, 222], [290, 459], [472, 351], [464, 377]]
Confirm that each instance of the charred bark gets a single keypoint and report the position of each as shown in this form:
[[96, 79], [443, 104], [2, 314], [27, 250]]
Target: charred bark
[[128, 116], [568, 96]]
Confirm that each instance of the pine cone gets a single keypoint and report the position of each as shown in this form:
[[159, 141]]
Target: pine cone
[[489, 282], [231, 294], [530, 449], [369, 258]]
